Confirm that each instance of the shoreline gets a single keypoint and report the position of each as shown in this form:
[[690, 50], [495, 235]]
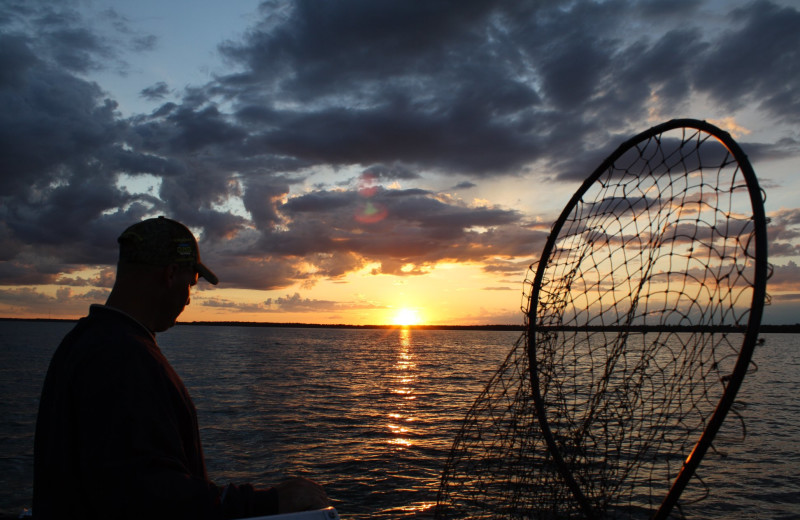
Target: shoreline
[[496, 327], [779, 329]]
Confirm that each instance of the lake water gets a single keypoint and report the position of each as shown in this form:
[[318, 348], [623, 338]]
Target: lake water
[[372, 413]]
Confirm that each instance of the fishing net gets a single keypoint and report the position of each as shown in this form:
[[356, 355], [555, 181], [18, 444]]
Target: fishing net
[[641, 320]]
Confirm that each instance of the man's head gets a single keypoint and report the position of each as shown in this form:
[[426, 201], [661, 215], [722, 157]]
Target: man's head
[[161, 241], [159, 263]]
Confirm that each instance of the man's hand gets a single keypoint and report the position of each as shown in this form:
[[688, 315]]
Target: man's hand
[[300, 494]]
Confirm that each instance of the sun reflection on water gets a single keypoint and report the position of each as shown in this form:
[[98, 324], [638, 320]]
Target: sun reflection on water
[[415, 510], [402, 379]]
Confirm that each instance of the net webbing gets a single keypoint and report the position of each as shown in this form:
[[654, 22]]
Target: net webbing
[[636, 321]]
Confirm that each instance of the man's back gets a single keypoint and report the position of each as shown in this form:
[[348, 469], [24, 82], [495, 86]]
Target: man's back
[[117, 432]]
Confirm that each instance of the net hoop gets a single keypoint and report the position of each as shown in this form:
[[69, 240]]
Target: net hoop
[[750, 332]]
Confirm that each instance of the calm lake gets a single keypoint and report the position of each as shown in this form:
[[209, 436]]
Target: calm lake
[[372, 413]]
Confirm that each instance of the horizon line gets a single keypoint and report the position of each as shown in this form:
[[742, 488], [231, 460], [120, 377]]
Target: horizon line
[[495, 327]]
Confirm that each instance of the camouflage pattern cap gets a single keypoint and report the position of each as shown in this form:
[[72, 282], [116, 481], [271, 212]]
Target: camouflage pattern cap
[[162, 241]]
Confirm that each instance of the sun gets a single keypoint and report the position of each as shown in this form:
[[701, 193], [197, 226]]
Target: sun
[[406, 317]]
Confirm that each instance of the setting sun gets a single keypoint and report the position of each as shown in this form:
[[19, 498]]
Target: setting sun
[[406, 317]]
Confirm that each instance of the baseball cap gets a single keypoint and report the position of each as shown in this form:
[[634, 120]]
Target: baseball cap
[[162, 241]]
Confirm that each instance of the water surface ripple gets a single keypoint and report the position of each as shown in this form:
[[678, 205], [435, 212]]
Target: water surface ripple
[[372, 413]]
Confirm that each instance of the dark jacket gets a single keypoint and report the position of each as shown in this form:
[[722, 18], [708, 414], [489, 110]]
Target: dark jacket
[[117, 435]]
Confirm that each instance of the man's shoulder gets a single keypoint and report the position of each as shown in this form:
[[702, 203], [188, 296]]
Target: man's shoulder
[[105, 336], [102, 315]]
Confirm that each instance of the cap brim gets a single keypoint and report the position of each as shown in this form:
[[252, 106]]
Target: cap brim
[[206, 273]]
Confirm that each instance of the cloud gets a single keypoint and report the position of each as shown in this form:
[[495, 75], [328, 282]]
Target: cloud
[[514, 82], [772, 76], [61, 34], [287, 304], [393, 92], [784, 278], [24, 301], [783, 232], [296, 303], [319, 234], [158, 91], [464, 185]]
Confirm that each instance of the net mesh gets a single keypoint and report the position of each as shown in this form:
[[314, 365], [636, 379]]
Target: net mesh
[[634, 324]]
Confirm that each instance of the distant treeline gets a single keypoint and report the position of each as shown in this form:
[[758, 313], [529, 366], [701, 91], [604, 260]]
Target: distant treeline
[[786, 329], [344, 326], [791, 329]]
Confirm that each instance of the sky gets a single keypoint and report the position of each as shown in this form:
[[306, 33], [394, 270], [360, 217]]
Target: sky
[[362, 161]]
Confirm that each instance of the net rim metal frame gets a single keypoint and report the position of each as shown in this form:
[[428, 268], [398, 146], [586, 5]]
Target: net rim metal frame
[[750, 336]]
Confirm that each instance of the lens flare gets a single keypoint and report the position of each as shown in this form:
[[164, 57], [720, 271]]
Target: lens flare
[[369, 211]]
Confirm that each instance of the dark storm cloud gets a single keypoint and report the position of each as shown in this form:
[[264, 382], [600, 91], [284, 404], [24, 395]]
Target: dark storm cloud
[[62, 146], [65, 300], [394, 89], [417, 229], [49, 125], [784, 233], [784, 278], [296, 303], [396, 131], [16, 58], [347, 44], [487, 87], [386, 172], [60, 150], [293, 303], [465, 185], [781, 149], [62, 35], [154, 92], [766, 38], [262, 198]]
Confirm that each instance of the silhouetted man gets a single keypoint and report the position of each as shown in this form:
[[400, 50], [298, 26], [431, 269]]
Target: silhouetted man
[[117, 435]]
